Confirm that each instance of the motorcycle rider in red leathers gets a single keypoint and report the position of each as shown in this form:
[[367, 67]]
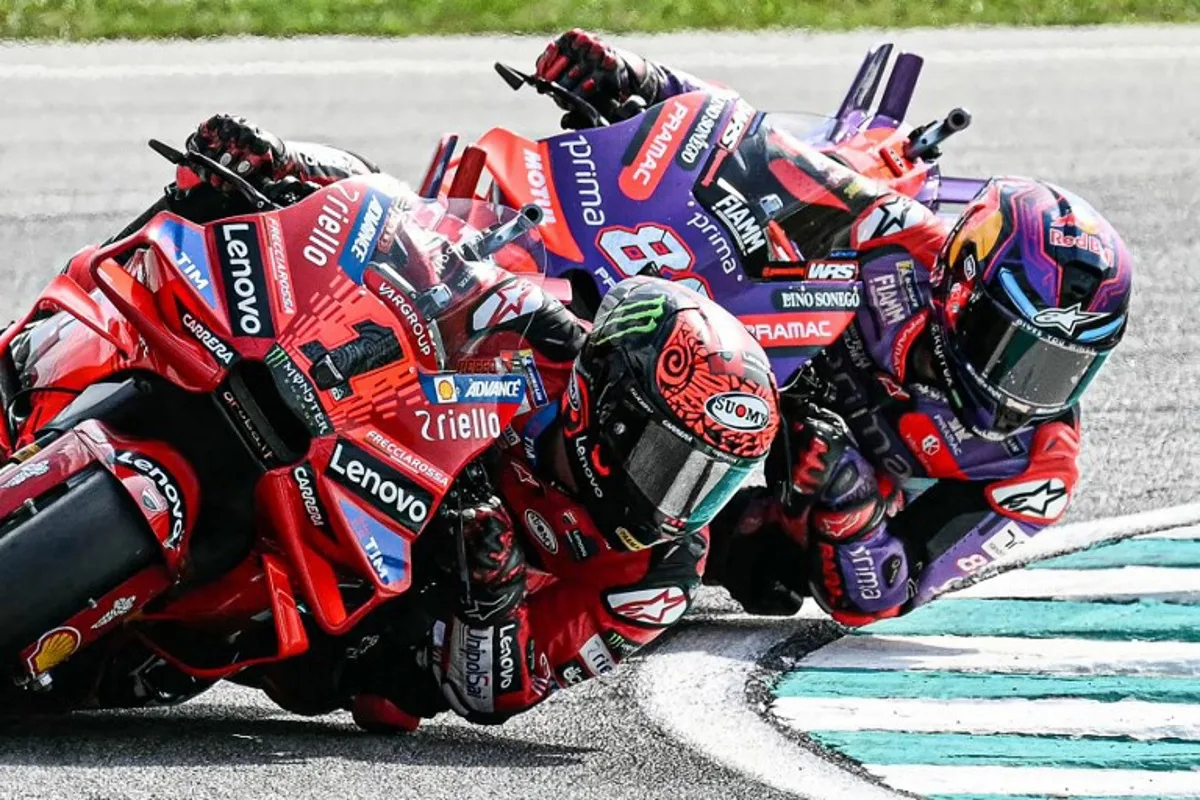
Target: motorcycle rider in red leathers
[[584, 530], [941, 431]]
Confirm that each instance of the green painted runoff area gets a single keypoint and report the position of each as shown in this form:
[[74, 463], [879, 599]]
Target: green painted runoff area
[[141, 19]]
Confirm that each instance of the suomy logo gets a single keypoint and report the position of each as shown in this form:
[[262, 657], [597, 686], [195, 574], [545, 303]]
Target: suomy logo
[[739, 411]]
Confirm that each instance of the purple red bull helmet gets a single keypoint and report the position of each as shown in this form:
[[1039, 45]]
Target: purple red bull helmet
[[1032, 293]]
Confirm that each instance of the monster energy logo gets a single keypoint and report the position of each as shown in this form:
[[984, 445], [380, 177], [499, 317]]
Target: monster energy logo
[[640, 316]]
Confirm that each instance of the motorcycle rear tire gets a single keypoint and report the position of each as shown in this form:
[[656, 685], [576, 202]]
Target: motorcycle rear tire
[[77, 546]]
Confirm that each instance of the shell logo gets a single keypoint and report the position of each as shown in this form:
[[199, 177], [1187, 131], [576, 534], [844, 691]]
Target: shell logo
[[445, 389], [53, 648]]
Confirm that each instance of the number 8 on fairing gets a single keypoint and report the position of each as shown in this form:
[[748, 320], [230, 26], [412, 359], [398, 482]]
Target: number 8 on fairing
[[631, 251]]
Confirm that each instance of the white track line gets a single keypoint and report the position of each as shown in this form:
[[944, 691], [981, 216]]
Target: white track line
[[1191, 532], [1052, 716], [1007, 654], [464, 67], [1176, 584], [694, 687], [925, 779]]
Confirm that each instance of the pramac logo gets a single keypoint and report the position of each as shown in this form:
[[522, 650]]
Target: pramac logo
[[740, 411], [641, 176]]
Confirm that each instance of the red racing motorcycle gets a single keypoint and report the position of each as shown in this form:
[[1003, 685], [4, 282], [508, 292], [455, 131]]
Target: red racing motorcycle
[[236, 425]]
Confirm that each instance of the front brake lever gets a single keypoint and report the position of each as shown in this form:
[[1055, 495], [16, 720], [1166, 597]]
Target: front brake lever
[[564, 99], [193, 159]]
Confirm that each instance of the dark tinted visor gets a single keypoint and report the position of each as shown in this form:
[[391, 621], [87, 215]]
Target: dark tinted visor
[[686, 485], [1004, 353]]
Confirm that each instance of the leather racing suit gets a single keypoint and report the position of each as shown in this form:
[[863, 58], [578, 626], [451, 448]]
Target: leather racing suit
[[897, 500], [589, 600]]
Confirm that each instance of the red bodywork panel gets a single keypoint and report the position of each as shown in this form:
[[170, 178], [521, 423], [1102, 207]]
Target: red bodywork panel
[[189, 302]]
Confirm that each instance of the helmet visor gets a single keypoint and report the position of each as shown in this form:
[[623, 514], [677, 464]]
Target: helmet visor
[[1005, 354], [685, 484]]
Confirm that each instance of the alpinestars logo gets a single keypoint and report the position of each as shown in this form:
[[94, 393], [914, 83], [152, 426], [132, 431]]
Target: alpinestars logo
[[1066, 319], [1041, 499], [650, 608], [381, 486], [246, 295], [375, 347]]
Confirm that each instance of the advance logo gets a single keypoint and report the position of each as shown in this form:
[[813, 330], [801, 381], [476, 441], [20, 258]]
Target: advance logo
[[381, 486], [246, 296]]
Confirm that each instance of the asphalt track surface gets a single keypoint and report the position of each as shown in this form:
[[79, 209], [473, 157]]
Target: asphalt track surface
[[1111, 113]]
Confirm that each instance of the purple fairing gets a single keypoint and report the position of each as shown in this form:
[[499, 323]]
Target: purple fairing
[[989, 540], [678, 218], [875, 570]]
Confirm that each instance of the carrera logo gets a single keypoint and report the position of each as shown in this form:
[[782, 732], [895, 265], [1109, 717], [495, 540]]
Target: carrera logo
[[541, 530], [307, 484], [739, 411], [400, 499], [241, 262], [639, 180], [650, 608], [220, 350], [166, 487]]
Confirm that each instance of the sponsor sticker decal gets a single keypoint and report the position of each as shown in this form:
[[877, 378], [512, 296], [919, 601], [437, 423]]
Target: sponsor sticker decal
[[378, 484], [364, 236], [460, 388], [167, 487], [739, 411], [659, 607], [53, 648], [536, 524], [243, 279]]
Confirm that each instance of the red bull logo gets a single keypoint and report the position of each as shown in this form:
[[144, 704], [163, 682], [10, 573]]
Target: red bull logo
[[1086, 238]]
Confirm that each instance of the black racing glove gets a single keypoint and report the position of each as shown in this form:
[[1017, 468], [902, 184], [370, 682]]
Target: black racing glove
[[761, 566], [491, 562], [604, 75], [257, 155]]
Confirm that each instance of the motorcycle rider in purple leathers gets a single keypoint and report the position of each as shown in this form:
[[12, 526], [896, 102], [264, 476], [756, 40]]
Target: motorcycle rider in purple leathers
[[941, 430]]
